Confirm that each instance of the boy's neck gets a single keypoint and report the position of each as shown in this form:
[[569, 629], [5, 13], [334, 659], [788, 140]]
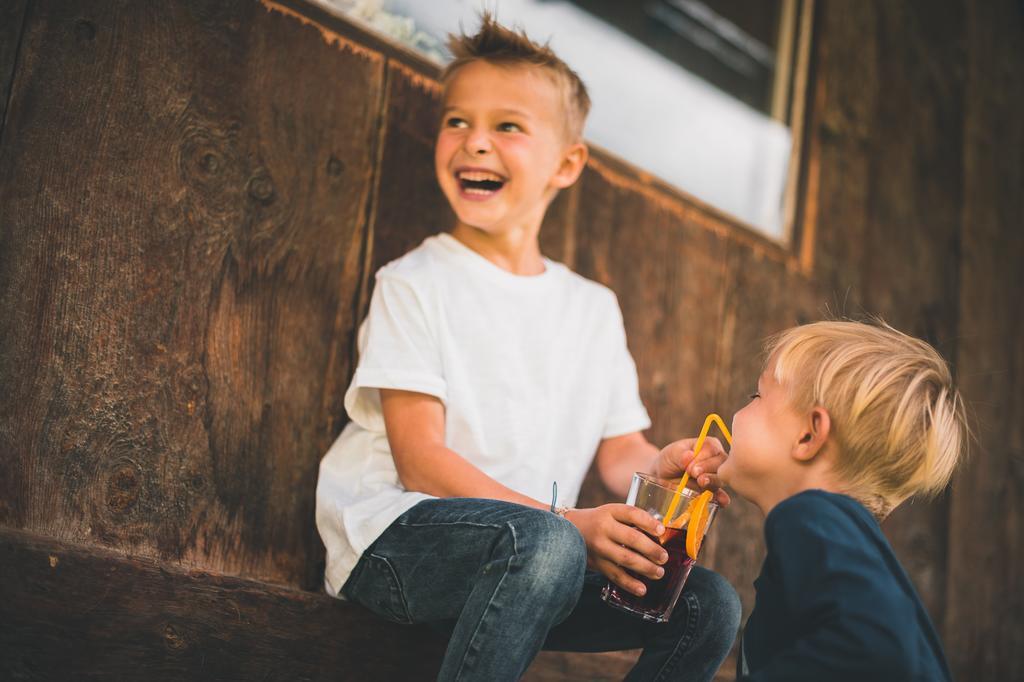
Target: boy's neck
[[816, 478], [516, 251]]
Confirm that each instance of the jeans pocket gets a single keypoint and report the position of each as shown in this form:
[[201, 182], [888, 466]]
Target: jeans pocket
[[378, 588]]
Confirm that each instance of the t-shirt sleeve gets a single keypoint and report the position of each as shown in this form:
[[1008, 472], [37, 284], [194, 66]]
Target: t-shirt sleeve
[[398, 349], [626, 412], [851, 625]]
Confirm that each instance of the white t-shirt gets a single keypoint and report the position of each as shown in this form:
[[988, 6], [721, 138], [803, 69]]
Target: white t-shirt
[[533, 372]]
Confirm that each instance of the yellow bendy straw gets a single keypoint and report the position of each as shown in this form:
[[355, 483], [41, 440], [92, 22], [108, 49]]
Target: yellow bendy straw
[[711, 419]]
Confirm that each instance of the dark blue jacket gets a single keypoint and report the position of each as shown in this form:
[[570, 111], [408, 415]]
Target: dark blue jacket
[[833, 603]]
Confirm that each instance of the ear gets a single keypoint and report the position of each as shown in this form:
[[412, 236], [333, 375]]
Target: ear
[[574, 159], [817, 427]]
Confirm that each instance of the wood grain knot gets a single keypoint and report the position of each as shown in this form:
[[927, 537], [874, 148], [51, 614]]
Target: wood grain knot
[[173, 640], [123, 487], [335, 166], [205, 161], [261, 188], [195, 482], [209, 163]]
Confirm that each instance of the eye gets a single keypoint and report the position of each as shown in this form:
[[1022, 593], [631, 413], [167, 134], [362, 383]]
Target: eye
[[509, 127], [455, 122], [755, 394]]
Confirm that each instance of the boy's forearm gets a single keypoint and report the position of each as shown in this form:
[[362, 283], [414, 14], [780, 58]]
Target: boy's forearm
[[439, 471], [415, 428], [619, 458]]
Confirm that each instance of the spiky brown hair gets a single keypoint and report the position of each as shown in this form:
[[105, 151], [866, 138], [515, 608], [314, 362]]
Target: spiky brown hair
[[496, 44]]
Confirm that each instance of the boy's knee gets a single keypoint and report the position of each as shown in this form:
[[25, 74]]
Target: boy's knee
[[549, 534], [720, 603], [550, 554]]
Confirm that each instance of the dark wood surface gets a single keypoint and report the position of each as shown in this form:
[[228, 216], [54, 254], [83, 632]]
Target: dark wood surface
[[896, 214], [983, 626], [12, 17], [80, 613], [411, 206], [183, 217], [845, 101], [916, 194], [194, 197], [667, 272]]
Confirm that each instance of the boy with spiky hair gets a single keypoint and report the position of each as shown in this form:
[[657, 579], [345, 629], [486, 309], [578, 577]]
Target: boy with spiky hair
[[848, 421], [486, 373]]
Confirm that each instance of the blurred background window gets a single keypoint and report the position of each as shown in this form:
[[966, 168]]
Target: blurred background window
[[705, 94]]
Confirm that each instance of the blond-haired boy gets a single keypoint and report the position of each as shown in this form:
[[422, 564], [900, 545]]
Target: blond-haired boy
[[848, 421], [488, 372]]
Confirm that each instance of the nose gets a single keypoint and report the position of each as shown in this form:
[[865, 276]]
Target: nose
[[478, 142]]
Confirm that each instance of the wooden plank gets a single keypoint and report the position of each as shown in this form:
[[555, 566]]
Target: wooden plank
[[910, 263], [182, 218], [984, 626], [558, 233], [84, 613], [846, 69], [410, 205], [12, 20], [667, 269], [335, 22], [761, 297]]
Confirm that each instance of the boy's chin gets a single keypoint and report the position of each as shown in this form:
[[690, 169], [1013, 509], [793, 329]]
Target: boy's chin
[[478, 225], [734, 483], [724, 472]]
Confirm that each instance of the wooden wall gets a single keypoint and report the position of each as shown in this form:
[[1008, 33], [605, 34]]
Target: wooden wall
[[193, 196]]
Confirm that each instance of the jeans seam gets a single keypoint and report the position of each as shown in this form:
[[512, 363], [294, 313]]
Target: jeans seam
[[417, 524], [396, 588], [683, 643], [490, 601]]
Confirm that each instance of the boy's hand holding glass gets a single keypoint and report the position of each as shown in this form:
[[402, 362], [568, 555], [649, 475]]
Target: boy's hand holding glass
[[620, 536], [682, 514], [686, 516], [677, 458]]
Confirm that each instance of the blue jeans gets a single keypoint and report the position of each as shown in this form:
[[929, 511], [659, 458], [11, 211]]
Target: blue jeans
[[506, 581]]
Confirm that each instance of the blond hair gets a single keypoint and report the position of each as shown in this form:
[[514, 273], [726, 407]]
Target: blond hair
[[897, 421], [501, 46]]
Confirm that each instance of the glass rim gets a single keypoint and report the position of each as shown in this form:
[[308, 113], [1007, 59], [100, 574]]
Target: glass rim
[[688, 493]]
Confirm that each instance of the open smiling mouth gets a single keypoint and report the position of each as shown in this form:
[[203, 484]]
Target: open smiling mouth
[[480, 183]]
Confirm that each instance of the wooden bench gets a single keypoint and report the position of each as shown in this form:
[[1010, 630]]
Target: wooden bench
[[78, 612]]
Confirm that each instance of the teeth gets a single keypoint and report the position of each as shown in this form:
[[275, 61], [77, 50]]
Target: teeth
[[482, 192], [479, 176]]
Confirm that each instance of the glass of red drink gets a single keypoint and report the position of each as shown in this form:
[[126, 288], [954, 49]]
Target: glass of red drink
[[654, 496]]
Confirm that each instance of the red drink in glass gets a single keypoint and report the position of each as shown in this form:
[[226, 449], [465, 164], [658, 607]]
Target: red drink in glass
[[661, 595], [655, 497]]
